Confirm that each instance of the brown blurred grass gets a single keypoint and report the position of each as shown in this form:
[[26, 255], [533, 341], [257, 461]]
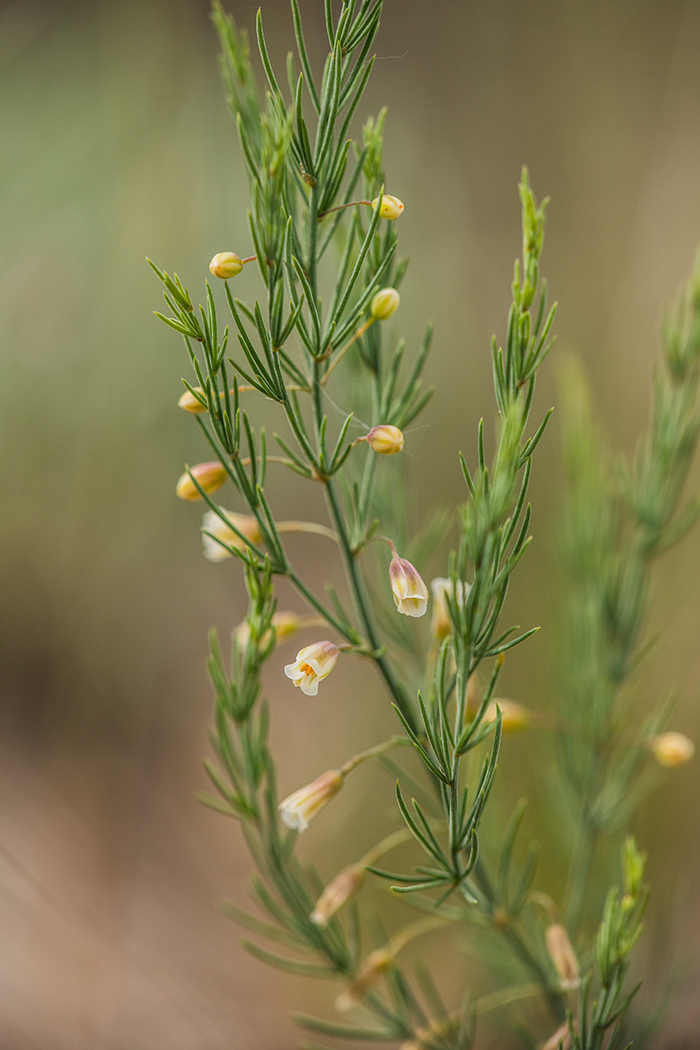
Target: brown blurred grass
[[117, 145]]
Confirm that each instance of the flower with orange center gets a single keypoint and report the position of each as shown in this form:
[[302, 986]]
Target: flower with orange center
[[313, 664]]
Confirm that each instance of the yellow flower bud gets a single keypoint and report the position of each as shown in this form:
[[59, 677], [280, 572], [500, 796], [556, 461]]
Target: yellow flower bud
[[299, 808], [285, 624], [515, 717], [672, 749], [391, 206], [384, 304], [313, 664], [210, 477], [374, 966], [225, 265], [190, 403], [337, 893], [410, 593], [246, 525], [563, 956], [385, 439]]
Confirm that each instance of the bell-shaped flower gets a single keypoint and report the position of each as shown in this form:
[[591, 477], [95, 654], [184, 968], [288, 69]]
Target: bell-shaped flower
[[313, 664], [672, 749], [212, 523], [337, 893], [210, 477], [299, 808], [410, 593], [385, 439], [442, 588]]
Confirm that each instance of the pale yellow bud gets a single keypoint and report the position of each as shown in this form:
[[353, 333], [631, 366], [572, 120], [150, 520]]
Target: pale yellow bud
[[337, 893], [313, 664], [515, 717], [391, 206], [385, 303], [226, 265], [285, 624], [210, 477], [385, 439], [190, 403], [562, 955], [410, 593], [374, 966], [672, 749], [299, 808], [212, 523]]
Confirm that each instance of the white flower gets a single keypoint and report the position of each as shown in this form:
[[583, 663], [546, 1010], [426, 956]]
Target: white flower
[[337, 893], [245, 523], [313, 664], [410, 593], [299, 808], [441, 588]]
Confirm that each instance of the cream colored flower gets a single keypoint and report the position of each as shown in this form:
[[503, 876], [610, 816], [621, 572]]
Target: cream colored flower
[[210, 477], [371, 971], [337, 893], [285, 624], [226, 265], [385, 439], [391, 206], [515, 717], [313, 664], [384, 304], [299, 808], [442, 588], [563, 956], [672, 749], [410, 593], [190, 403], [246, 525]]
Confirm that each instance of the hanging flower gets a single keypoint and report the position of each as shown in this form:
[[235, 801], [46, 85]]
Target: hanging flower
[[563, 956], [441, 588], [672, 749], [245, 523], [299, 808], [210, 477], [313, 664], [410, 593], [391, 206], [385, 439], [337, 893]]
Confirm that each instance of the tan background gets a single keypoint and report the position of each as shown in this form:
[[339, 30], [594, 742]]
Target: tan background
[[116, 144]]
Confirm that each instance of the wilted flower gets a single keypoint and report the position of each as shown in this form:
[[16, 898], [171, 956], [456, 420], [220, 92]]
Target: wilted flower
[[515, 717], [245, 523], [376, 963], [385, 439], [562, 955], [313, 664], [299, 808], [337, 893], [225, 265], [410, 593], [210, 477], [391, 206], [190, 403], [672, 749], [384, 304]]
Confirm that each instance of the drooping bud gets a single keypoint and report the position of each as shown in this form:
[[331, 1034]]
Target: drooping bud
[[299, 808], [244, 523], [190, 403], [385, 303], [563, 956], [410, 593], [226, 265], [337, 893], [672, 749], [313, 664], [374, 966], [515, 717], [391, 206], [385, 439], [210, 477]]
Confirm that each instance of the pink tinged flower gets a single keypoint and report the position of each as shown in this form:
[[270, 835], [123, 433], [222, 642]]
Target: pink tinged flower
[[563, 956], [410, 593], [313, 664], [299, 808], [385, 439], [211, 523], [337, 893], [210, 477]]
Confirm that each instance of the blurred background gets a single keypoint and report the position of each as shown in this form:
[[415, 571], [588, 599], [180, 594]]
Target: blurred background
[[117, 145]]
